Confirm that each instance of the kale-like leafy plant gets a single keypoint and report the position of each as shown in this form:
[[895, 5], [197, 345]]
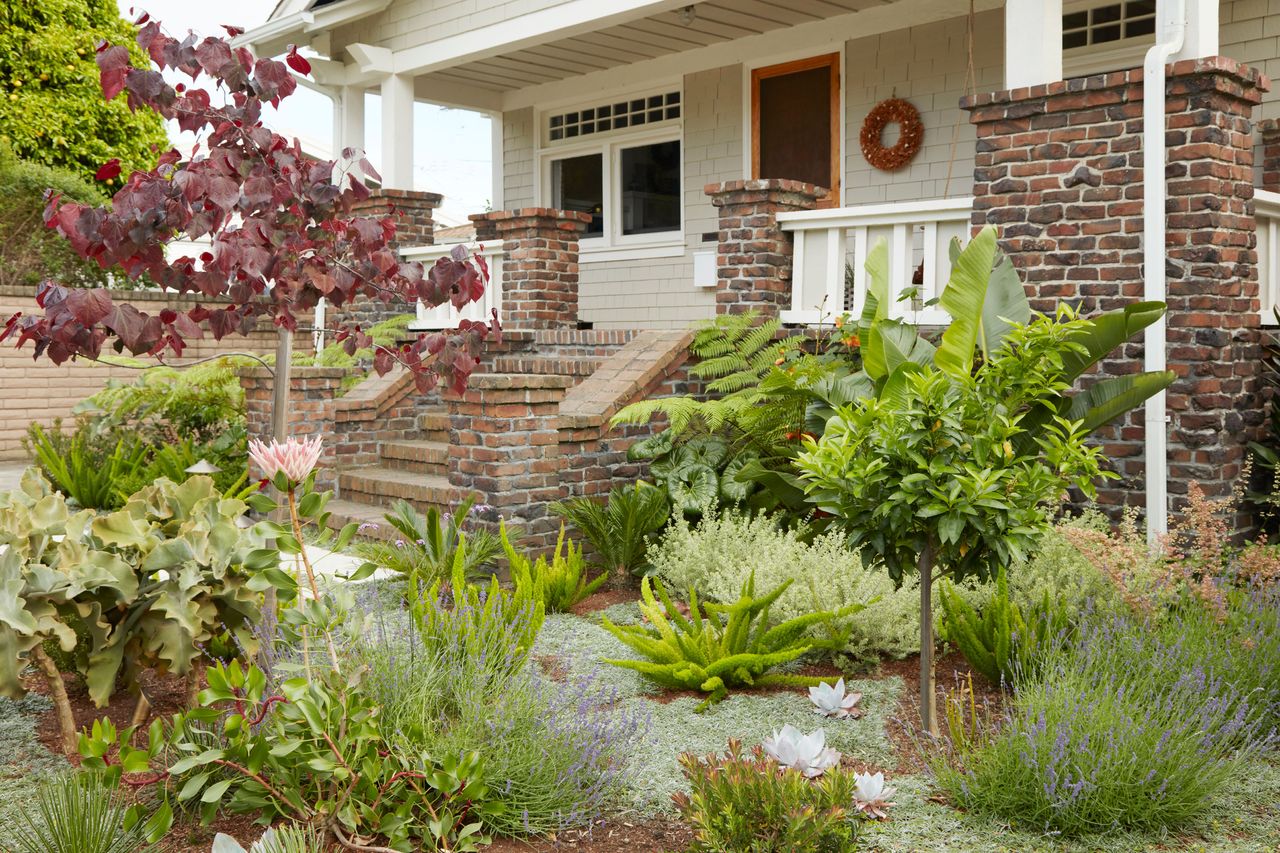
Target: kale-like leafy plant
[[951, 454], [720, 646], [143, 587], [559, 583]]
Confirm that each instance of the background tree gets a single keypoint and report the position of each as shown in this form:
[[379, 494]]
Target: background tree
[[954, 456], [282, 226], [51, 106]]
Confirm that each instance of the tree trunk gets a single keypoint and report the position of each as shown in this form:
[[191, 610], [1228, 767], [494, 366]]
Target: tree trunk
[[141, 710], [928, 688], [280, 381], [61, 704], [195, 682]]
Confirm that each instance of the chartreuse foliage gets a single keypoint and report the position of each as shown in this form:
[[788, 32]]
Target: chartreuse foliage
[[620, 527], [997, 639], [559, 583], [720, 646], [143, 587], [51, 106]]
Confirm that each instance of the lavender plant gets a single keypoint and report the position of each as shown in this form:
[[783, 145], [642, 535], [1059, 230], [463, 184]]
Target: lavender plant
[[555, 752], [1127, 727]]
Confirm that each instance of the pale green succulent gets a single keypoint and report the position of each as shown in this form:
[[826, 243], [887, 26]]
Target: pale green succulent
[[148, 584]]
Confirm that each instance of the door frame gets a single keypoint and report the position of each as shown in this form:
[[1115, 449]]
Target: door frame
[[832, 61]]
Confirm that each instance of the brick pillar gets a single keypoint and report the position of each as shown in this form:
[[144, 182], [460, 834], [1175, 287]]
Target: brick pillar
[[1269, 131], [540, 267], [415, 226], [753, 260], [313, 395], [1059, 172]]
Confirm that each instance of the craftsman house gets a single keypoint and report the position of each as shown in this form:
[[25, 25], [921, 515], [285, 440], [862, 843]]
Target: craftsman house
[[657, 161]]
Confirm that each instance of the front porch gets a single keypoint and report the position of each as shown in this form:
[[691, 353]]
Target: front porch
[[596, 228]]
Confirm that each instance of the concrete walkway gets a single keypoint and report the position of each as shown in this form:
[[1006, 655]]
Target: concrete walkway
[[10, 474]]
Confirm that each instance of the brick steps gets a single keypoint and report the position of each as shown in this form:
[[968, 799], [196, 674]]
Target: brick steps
[[433, 426], [553, 366], [422, 457], [380, 486], [342, 513]]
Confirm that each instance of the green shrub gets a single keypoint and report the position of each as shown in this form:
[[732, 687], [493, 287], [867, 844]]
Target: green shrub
[[619, 529], [1059, 570], [90, 477], [476, 620], [741, 803], [559, 583], [427, 546], [1126, 727], [32, 252], [71, 814], [54, 112], [1002, 643], [716, 556], [720, 646]]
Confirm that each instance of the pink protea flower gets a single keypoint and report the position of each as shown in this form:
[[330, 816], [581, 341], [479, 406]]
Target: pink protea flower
[[296, 457]]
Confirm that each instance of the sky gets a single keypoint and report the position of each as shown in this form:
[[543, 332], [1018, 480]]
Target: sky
[[451, 147]]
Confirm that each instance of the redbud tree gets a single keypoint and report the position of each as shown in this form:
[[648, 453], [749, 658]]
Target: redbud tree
[[283, 227]]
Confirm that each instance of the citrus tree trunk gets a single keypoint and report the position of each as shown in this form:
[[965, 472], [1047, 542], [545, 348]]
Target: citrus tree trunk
[[928, 689]]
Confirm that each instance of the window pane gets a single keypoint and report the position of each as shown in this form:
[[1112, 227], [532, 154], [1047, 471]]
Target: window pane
[[577, 183], [651, 188]]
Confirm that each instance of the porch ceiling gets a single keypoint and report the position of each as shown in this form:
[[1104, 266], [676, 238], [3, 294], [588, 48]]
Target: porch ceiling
[[714, 21]]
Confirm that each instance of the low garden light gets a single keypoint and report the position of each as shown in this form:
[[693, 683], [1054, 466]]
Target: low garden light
[[204, 466]]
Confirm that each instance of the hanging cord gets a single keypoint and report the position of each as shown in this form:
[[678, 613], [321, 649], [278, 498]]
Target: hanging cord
[[971, 86]]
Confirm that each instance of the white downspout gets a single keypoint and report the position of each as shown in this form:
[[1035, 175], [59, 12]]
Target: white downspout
[[1171, 30]]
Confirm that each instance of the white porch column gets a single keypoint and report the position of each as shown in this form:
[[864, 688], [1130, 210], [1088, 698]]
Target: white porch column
[[1032, 42], [348, 119], [1201, 38], [397, 132]]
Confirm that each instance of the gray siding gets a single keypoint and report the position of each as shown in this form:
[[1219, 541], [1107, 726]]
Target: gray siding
[[518, 166], [925, 65]]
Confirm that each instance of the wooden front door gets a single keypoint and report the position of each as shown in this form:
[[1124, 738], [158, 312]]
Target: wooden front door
[[795, 123]]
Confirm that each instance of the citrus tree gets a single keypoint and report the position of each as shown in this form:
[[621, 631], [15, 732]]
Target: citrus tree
[[949, 458]]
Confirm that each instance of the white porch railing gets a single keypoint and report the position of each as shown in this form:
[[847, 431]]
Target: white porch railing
[[1266, 207], [918, 234], [446, 316]]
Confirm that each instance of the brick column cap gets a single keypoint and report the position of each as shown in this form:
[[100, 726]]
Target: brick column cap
[[424, 198], [1268, 127], [764, 185], [1247, 81], [496, 216]]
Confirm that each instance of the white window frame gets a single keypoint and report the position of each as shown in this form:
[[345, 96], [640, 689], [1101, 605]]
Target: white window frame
[[613, 244], [1108, 56]]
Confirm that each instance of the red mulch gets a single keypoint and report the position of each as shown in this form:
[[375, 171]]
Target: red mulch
[[952, 672], [606, 597]]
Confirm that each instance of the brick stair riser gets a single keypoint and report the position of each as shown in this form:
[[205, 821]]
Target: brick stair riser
[[381, 494]]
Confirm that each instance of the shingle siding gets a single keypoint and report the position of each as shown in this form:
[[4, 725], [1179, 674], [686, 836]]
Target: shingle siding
[[925, 65], [409, 23]]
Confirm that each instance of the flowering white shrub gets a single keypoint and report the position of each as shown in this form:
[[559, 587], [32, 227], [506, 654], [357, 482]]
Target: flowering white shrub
[[716, 556]]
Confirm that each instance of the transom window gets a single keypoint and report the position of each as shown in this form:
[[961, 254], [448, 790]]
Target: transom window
[[1108, 23], [619, 115]]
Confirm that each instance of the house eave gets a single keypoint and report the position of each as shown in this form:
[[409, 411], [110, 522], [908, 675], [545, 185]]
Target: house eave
[[275, 36]]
